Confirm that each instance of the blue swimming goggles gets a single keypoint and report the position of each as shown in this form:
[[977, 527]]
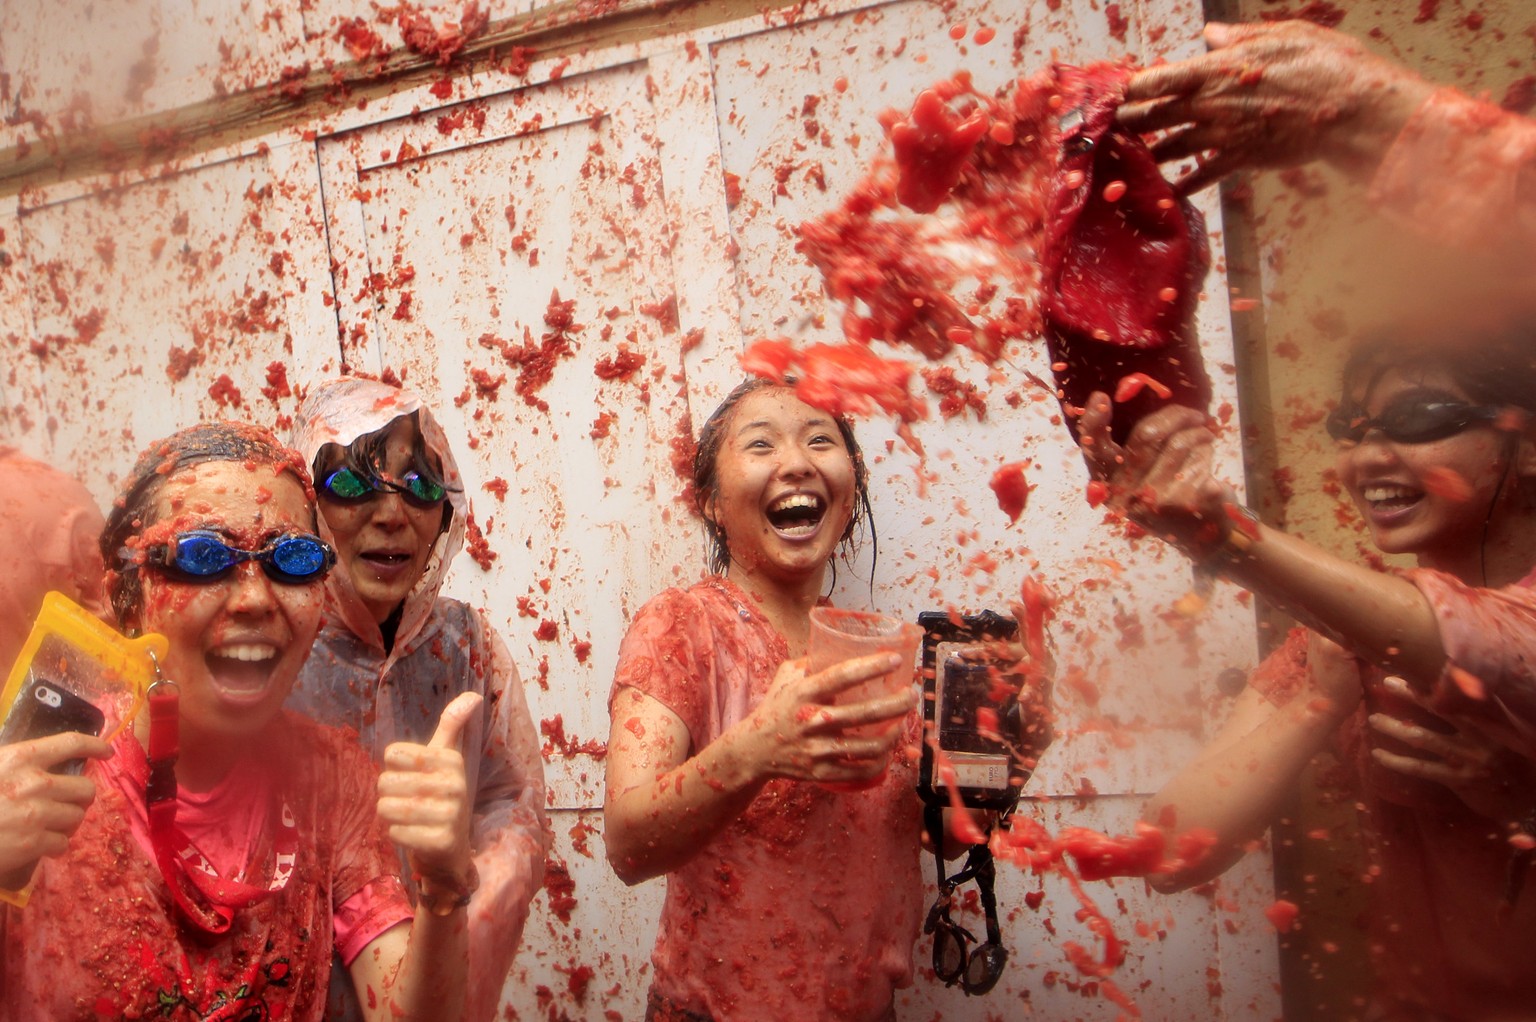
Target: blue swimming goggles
[[348, 486], [202, 555]]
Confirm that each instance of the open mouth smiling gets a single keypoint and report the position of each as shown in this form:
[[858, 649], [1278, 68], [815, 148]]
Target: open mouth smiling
[[1382, 497], [797, 515], [242, 668]]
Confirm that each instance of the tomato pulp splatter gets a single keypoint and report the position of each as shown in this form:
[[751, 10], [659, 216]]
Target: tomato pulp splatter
[[839, 378], [1049, 220], [1011, 488]]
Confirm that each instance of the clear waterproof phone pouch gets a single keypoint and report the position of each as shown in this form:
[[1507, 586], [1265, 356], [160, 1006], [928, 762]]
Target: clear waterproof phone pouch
[[75, 673]]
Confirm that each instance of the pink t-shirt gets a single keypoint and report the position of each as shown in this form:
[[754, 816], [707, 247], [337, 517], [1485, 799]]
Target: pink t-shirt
[[1442, 936], [99, 939], [1489, 637], [807, 906]]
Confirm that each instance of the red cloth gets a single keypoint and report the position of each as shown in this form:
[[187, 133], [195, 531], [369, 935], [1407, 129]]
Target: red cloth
[[1442, 937], [99, 940], [1465, 170], [1122, 261], [808, 905]]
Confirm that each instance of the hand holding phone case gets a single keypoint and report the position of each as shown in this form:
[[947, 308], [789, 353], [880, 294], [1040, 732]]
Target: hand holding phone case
[[74, 673]]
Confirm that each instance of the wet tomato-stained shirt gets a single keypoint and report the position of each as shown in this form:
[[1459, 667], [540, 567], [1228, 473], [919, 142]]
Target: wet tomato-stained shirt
[[99, 939], [1465, 169], [806, 906], [1443, 935]]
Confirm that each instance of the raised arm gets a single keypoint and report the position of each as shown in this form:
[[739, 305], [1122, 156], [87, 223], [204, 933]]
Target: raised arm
[[1274, 95], [1281, 94], [663, 805], [1162, 478]]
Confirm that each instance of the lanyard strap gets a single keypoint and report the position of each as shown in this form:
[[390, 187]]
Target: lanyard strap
[[979, 866], [207, 900]]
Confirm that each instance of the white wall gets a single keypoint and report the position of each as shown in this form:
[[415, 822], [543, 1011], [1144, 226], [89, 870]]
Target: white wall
[[295, 250]]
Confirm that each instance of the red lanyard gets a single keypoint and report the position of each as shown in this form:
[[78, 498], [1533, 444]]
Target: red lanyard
[[207, 900]]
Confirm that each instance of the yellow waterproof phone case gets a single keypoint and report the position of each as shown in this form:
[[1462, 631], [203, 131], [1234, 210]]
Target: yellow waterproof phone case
[[75, 673]]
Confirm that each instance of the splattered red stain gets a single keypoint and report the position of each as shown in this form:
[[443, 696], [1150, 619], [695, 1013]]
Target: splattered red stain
[[441, 42], [559, 888], [475, 544], [619, 366], [1011, 489], [553, 729]]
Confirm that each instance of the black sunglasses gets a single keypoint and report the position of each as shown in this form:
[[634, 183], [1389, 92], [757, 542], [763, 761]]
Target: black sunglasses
[[1415, 421], [348, 486], [203, 556], [955, 960]]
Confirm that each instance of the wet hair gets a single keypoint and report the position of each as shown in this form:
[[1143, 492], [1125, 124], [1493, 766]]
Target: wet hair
[[1494, 362], [367, 457], [133, 510], [706, 482]]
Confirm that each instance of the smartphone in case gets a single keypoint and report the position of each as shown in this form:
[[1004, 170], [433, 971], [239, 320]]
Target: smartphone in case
[[43, 708], [960, 670]]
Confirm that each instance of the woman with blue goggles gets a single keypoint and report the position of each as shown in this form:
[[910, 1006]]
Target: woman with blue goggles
[[224, 853]]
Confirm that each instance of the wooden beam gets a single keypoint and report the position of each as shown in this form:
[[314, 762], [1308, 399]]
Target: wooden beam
[[561, 29]]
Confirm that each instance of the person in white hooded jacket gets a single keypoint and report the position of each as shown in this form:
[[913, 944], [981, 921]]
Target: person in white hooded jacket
[[392, 653]]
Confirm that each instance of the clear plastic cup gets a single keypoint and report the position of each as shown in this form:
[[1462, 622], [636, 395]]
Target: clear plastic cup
[[838, 635]]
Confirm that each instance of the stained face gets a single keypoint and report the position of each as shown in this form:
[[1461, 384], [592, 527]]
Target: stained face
[[1435, 498], [383, 543], [785, 486], [237, 642]]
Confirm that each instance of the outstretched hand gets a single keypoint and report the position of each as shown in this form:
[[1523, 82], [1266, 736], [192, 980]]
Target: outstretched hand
[[800, 730], [1162, 477], [424, 799], [39, 809], [1273, 95]]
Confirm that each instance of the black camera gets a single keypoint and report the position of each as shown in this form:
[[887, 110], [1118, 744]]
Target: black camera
[[972, 676]]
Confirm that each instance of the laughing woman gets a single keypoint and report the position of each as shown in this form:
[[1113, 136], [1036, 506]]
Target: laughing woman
[[1431, 699], [228, 903], [784, 899], [393, 652]]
